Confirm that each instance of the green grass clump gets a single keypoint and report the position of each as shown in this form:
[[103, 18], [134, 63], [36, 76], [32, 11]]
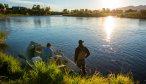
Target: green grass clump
[[120, 79], [7, 15], [18, 81], [9, 66], [44, 74], [1, 15], [98, 79], [3, 36]]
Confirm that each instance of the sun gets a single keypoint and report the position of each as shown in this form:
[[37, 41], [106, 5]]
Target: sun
[[111, 4]]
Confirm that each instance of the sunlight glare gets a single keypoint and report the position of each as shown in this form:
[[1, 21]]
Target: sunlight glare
[[109, 25]]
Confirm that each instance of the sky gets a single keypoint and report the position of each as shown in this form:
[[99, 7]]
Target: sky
[[75, 4]]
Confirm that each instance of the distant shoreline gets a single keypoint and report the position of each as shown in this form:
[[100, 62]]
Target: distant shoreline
[[105, 16], [72, 15]]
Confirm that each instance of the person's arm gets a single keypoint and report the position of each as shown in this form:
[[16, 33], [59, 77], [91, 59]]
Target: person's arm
[[52, 53], [88, 53], [76, 55]]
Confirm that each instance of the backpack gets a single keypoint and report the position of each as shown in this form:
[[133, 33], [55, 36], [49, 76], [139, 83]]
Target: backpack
[[82, 54]]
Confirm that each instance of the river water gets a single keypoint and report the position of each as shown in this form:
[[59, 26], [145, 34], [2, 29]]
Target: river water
[[116, 44]]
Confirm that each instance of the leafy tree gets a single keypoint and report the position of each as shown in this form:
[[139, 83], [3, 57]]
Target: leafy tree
[[23, 10], [47, 10], [36, 10], [34, 7], [6, 5], [75, 11], [38, 7], [130, 10], [143, 12], [65, 11], [82, 10], [1, 6], [103, 9]]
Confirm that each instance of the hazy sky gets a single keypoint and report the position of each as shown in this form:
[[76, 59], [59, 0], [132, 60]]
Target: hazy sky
[[75, 4]]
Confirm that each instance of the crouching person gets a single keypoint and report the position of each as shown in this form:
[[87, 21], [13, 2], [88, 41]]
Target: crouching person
[[47, 53]]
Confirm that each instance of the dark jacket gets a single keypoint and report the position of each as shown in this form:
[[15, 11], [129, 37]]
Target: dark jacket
[[80, 49]]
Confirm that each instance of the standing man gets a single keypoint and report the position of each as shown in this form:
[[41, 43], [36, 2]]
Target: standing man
[[81, 53]]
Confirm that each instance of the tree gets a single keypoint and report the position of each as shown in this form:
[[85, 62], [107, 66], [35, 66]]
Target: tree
[[1, 8], [47, 10], [107, 10], [38, 7], [75, 11], [143, 12], [23, 10], [65, 11], [34, 7], [6, 6], [103, 9], [130, 10], [36, 10], [1, 5]]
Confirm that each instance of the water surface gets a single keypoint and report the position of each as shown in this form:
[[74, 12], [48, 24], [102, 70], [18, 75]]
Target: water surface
[[116, 44]]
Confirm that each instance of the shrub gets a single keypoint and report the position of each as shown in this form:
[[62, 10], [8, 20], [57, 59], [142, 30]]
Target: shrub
[[3, 36], [50, 74], [45, 74], [9, 66], [98, 79]]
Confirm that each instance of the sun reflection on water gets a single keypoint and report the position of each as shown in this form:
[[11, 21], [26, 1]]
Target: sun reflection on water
[[109, 25]]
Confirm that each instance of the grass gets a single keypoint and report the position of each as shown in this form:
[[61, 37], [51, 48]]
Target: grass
[[44, 74], [6, 15], [50, 74], [99, 79], [10, 67], [1, 15], [3, 36], [13, 64]]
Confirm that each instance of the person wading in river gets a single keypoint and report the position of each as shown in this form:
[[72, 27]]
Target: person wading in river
[[81, 53]]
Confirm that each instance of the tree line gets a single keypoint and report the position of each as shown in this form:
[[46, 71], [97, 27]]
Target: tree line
[[38, 10], [105, 12], [35, 10]]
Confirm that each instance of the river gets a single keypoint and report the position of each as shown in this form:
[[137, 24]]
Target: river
[[116, 44]]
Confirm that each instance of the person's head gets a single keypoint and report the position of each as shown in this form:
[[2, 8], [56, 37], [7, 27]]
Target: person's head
[[81, 42], [48, 45]]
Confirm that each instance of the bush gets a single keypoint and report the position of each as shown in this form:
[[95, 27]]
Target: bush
[[50, 74], [45, 74], [9, 66], [98, 79], [3, 36]]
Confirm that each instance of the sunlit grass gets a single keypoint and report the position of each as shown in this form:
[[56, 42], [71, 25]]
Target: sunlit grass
[[3, 36], [98, 79], [13, 64], [6, 15], [10, 68], [43, 73]]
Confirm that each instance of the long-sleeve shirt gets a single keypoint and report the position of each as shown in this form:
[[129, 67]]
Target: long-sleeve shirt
[[78, 50], [47, 53]]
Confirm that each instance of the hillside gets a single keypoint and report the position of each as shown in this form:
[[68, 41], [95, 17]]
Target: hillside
[[140, 7]]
